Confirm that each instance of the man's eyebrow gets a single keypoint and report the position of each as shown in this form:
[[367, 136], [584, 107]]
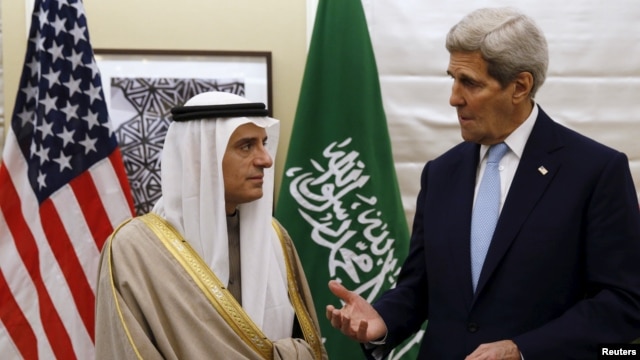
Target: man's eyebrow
[[462, 76], [250, 139]]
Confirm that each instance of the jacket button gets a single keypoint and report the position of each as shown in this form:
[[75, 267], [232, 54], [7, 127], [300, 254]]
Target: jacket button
[[472, 327]]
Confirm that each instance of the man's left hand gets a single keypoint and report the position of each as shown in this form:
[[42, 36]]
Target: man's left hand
[[499, 350]]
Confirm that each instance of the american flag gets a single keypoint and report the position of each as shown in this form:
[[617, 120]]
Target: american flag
[[63, 190]]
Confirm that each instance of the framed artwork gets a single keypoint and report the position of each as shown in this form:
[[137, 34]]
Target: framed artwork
[[141, 87]]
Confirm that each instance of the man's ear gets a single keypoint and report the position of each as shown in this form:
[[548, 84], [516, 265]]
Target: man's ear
[[522, 87]]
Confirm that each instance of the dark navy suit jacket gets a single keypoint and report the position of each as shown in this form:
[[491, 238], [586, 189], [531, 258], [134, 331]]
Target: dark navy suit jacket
[[562, 273]]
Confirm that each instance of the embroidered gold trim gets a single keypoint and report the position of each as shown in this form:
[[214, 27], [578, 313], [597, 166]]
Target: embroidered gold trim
[[306, 324], [211, 286], [115, 293]]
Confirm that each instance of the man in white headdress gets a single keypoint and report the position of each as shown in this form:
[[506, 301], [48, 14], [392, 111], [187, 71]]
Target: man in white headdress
[[208, 274]]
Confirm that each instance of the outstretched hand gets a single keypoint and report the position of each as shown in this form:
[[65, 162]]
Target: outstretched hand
[[499, 350], [357, 319]]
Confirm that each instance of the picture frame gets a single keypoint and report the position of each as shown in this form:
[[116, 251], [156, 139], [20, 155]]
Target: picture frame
[[141, 87], [254, 66]]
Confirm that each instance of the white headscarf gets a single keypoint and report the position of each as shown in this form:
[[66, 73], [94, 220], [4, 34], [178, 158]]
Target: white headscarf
[[193, 202]]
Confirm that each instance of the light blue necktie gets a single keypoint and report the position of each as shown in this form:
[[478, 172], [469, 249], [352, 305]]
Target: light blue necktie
[[486, 210]]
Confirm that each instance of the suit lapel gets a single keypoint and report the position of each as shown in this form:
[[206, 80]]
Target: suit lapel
[[538, 166], [462, 179]]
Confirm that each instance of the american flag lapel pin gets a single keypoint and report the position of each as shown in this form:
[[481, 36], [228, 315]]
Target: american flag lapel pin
[[543, 170]]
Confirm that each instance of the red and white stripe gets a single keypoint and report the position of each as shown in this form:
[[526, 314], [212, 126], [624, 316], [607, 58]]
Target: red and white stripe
[[49, 256]]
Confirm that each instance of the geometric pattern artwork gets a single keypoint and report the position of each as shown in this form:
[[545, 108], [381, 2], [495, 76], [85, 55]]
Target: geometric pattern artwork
[[141, 111]]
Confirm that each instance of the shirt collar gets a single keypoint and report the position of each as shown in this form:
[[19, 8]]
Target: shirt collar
[[518, 138]]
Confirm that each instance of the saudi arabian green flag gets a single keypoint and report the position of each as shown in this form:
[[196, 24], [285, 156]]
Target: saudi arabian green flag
[[339, 198]]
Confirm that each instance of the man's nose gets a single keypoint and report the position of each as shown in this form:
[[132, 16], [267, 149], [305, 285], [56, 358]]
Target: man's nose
[[264, 159], [456, 99]]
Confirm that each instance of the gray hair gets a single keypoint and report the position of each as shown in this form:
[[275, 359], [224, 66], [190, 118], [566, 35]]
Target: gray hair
[[509, 41]]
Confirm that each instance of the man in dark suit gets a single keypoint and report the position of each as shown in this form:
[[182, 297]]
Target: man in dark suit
[[560, 272]]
